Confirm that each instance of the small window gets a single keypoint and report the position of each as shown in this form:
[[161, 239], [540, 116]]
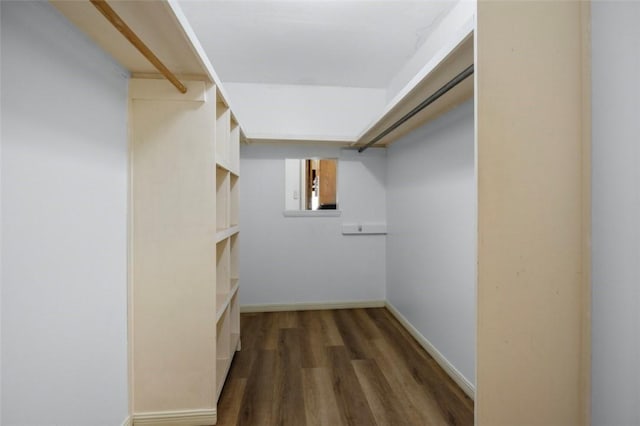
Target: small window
[[311, 184]]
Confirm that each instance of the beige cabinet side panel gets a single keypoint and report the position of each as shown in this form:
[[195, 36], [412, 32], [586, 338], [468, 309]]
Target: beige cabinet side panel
[[532, 150], [173, 259]]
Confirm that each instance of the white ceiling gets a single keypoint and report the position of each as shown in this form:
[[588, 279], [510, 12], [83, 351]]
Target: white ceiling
[[352, 43]]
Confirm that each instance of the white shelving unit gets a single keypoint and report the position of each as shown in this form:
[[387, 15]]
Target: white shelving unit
[[227, 212], [185, 246]]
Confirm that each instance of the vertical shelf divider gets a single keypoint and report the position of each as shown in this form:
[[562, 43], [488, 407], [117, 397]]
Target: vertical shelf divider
[[234, 147], [223, 350], [222, 199], [223, 129], [234, 202], [223, 274]]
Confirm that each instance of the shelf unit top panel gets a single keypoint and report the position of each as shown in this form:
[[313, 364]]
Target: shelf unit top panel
[[161, 25], [153, 21]]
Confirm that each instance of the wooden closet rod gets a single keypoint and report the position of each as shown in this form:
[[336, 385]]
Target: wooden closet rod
[[431, 99], [124, 29]]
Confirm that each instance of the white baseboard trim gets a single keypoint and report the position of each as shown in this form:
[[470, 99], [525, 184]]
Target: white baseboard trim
[[452, 371], [312, 306], [177, 418], [127, 421]]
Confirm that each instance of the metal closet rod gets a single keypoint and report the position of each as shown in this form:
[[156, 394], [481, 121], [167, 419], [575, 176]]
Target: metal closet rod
[[128, 33], [431, 99]]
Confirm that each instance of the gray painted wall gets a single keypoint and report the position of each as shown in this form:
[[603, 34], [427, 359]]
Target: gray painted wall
[[431, 246], [64, 224], [286, 260], [616, 213]]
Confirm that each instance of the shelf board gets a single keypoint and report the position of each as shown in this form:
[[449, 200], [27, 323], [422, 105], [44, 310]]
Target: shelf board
[[316, 139], [154, 22], [223, 234], [223, 299], [234, 287], [225, 166], [222, 164], [161, 25]]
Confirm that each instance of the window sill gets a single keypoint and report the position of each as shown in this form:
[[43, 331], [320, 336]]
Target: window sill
[[312, 213]]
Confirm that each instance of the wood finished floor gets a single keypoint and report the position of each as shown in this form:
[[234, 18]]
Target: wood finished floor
[[336, 367]]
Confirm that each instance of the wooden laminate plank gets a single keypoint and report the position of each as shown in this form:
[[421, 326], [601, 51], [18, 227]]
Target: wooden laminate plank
[[384, 403], [352, 404], [288, 401], [256, 402], [249, 329], [260, 331], [243, 360], [365, 324], [329, 324], [320, 403], [269, 328], [242, 363], [384, 320], [230, 400], [354, 341], [288, 319], [315, 339], [323, 326]]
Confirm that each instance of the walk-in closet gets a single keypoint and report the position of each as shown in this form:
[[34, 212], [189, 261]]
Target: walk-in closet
[[317, 212]]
